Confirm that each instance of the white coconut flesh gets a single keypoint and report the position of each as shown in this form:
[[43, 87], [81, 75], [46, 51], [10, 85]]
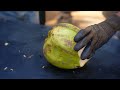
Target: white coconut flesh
[[82, 62]]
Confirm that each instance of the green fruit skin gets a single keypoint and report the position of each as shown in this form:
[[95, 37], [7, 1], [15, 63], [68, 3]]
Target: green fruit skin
[[58, 48]]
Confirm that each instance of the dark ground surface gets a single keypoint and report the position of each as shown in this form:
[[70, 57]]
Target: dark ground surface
[[23, 58]]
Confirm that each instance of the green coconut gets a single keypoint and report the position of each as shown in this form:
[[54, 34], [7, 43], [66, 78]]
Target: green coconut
[[58, 47]]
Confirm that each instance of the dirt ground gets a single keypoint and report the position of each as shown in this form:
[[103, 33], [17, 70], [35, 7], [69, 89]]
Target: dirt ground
[[81, 19]]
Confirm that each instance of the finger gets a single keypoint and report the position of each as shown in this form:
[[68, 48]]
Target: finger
[[89, 49], [91, 55], [84, 54], [83, 42], [81, 34], [94, 44]]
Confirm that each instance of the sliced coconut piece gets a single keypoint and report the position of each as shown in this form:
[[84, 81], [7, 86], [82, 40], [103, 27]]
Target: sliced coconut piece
[[5, 68], [11, 69], [6, 44], [43, 66], [24, 56]]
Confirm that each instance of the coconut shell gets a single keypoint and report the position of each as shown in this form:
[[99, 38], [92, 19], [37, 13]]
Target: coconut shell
[[58, 47]]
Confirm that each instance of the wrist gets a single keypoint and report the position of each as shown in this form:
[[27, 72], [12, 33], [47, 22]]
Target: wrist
[[114, 21]]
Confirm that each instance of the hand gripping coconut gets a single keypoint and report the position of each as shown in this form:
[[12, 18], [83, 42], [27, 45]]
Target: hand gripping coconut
[[58, 47]]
